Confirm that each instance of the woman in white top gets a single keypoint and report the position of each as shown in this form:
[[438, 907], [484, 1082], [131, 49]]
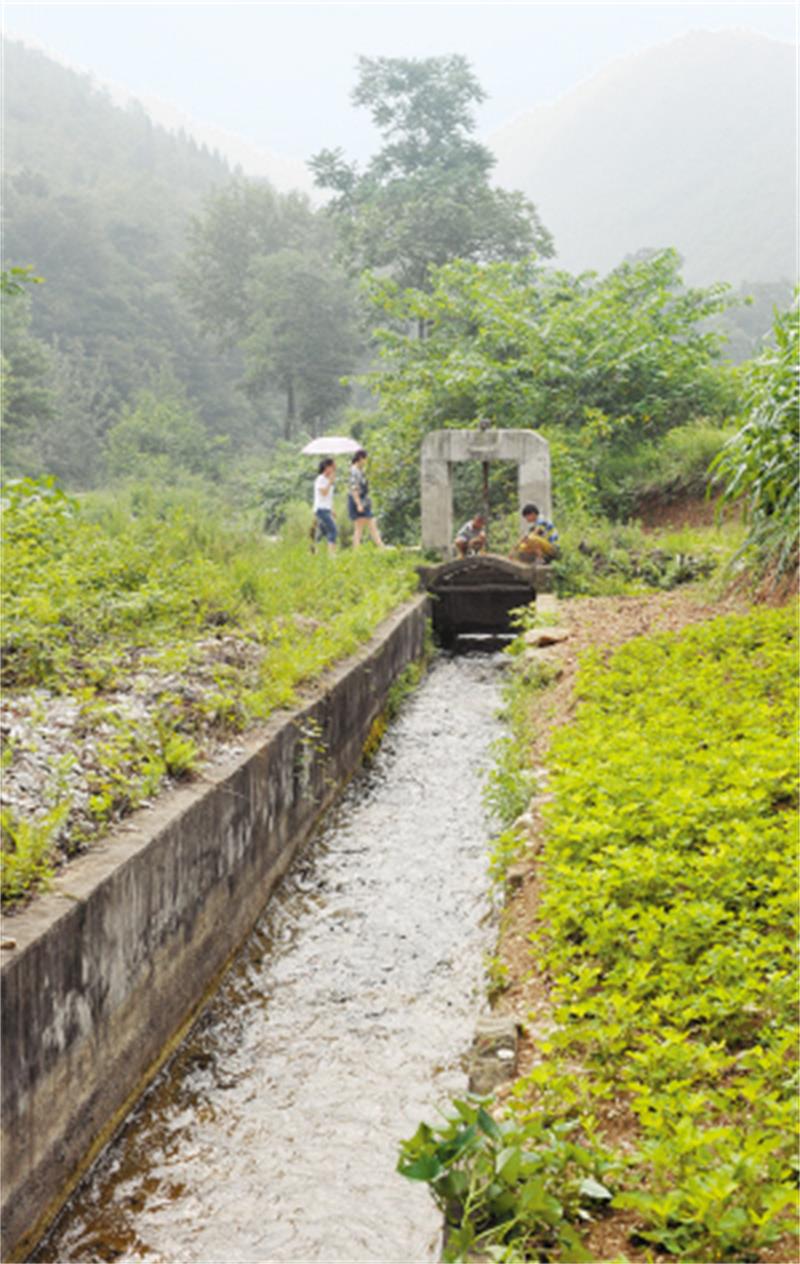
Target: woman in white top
[[323, 501]]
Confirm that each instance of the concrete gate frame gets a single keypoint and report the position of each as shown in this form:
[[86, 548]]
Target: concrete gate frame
[[441, 449]]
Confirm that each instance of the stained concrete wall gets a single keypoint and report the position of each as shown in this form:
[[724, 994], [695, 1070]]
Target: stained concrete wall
[[442, 448], [112, 965]]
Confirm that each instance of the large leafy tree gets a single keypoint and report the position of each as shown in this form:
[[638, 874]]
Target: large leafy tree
[[260, 277], [301, 336], [162, 437], [593, 363], [425, 197]]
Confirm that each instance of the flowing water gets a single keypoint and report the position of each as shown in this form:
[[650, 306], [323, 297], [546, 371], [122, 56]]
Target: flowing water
[[272, 1134]]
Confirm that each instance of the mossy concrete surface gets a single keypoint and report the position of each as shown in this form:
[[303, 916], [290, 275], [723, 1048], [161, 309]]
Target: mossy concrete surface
[[110, 967]]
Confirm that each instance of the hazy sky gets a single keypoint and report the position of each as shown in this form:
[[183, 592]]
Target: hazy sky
[[280, 75]]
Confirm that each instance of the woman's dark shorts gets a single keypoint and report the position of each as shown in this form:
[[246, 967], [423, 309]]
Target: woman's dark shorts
[[327, 524], [353, 511]]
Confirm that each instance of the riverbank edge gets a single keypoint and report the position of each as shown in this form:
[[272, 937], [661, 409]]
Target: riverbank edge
[[112, 966]]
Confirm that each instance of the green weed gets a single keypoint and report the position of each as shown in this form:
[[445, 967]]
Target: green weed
[[27, 857]]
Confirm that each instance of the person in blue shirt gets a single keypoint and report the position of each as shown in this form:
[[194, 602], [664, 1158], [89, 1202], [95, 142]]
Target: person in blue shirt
[[540, 541]]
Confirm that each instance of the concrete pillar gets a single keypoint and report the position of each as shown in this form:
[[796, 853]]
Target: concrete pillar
[[436, 473]]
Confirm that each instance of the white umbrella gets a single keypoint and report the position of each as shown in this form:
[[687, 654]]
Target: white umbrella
[[330, 445]]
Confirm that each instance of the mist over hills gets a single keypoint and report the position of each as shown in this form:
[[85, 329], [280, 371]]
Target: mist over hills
[[690, 144], [98, 199]]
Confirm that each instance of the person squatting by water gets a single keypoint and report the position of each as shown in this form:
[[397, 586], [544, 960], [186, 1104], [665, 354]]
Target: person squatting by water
[[472, 536], [359, 504], [324, 516], [540, 541]]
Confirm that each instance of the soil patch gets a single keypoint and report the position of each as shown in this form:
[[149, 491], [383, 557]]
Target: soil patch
[[657, 512]]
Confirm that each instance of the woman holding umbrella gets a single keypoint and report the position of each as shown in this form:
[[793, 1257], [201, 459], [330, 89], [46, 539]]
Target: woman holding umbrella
[[359, 505], [324, 520]]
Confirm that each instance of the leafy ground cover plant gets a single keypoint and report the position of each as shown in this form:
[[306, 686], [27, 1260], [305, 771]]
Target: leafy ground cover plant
[[667, 935], [146, 631]]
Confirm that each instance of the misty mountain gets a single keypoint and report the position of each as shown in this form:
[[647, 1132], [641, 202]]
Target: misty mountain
[[98, 199], [690, 144], [255, 162]]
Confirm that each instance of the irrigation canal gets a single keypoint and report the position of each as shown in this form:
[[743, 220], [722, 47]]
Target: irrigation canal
[[272, 1134]]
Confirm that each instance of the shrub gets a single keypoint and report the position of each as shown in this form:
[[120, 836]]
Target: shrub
[[161, 437], [674, 467], [602, 558]]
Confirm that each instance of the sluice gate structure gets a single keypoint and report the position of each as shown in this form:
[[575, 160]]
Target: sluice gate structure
[[475, 596]]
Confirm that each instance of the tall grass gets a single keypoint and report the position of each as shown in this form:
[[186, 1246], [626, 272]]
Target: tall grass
[[167, 621]]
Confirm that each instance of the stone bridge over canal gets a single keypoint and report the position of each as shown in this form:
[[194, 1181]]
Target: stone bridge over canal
[[476, 595]]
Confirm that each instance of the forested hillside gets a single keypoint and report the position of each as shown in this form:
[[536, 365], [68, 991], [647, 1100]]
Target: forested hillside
[[690, 144], [97, 200], [100, 202]]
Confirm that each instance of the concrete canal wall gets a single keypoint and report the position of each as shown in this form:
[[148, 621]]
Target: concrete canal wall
[[112, 965]]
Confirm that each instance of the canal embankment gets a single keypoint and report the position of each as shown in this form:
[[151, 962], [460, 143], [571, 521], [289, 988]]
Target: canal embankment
[[111, 966], [272, 1133]]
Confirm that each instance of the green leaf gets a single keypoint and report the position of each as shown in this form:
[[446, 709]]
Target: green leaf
[[488, 1125], [508, 1163], [425, 1168]]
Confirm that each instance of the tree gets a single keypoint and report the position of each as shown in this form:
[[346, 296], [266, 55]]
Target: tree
[[100, 198], [162, 438], [302, 336], [27, 397], [71, 444], [239, 225], [595, 364], [260, 277], [425, 197]]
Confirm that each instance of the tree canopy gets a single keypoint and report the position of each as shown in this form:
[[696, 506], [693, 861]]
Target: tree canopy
[[259, 276], [425, 197], [593, 363]]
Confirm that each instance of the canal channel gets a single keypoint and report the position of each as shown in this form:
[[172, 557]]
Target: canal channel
[[272, 1134]]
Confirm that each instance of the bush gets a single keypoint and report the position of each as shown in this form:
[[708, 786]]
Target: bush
[[675, 467], [602, 558], [163, 439]]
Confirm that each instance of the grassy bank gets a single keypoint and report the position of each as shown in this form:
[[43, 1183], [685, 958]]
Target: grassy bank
[[658, 1114], [140, 632]]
